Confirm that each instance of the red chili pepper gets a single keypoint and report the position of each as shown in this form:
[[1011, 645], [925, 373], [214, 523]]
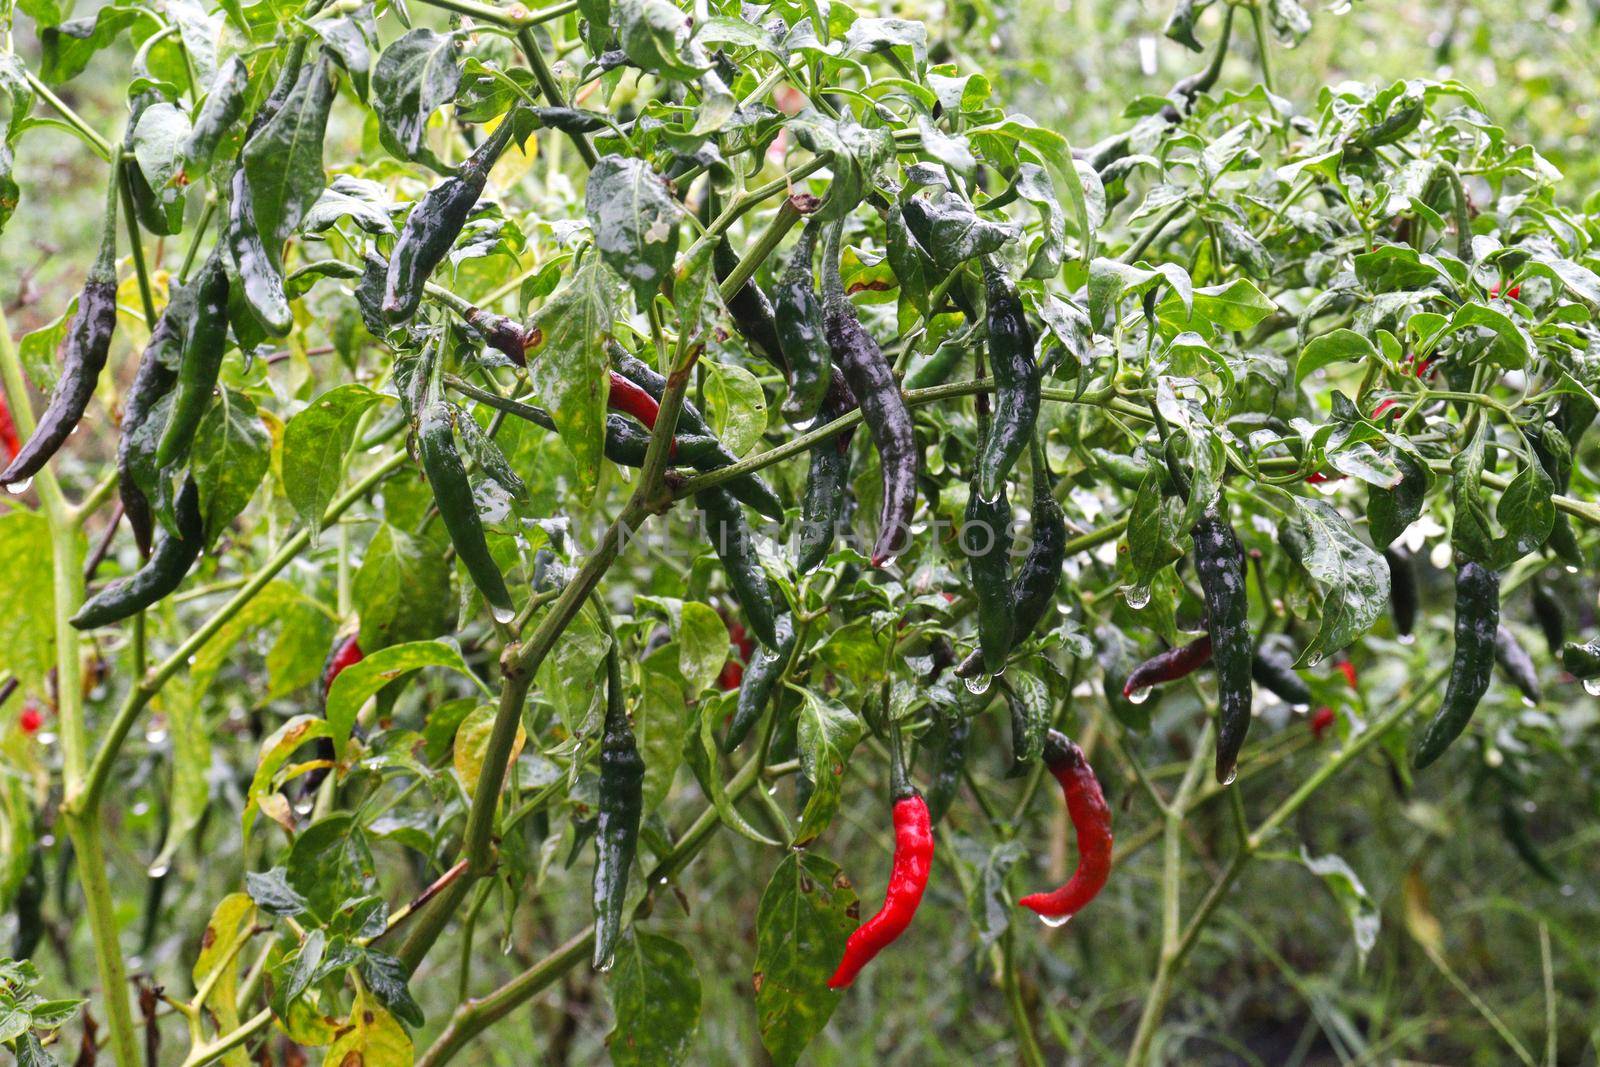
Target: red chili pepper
[[1425, 367], [1317, 477], [1377, 412], [632, 400], [913, 862], [1170, 665], [31, 719], [1091, 818], [1511, 294], [1321, 719], [1348, 669], [346, 653], [10, 443]]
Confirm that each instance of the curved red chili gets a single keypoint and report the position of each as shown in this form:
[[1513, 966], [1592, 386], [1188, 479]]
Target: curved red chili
[[1170, 665], [1320, 721], [1091, 819], [1347, 669], [632, 400], [346, 653], [913, 861]]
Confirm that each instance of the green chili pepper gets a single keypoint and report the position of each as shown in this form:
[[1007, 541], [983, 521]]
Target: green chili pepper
[[254, 265], [1219, 566], [28, 906], [801, 334], [761, 677], [1582, 661], [827, 486], [570, 119], [1393, 127], [1402, 589], [162, 574], [730, 538], [1034, 591], [199, 365], [883, 408], [156, 376], [747, 488], [1515, 829], [950, 761], [1554, 453], [748, 307], [1477, 619], [1016, 381], [434, 223], [448, 479], [1551, 619], [1272, 668], [224, 104], [621, 804], [1028, 727], [82, 354], [986, 539], [1516, 664]]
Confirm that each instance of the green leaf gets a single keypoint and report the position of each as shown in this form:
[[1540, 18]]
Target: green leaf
[[655, 35], [371, 1037], [472, 742], [1150, 532], [232, 451], [1391, 511], [1353, 898], [988, 903], [329, 862], [736, 405], [1526, 513], [1353, 579], [804, 919], [282, 162], [661, 721], [361, 680], [28, 637], [401, 591], [700, 750], [69, 47], [189, 789], [567, 368], [276, 748], [315, 444], [857, 154], [415, 76], [635, 222], [655, 996], [1471, 533], [825, 735], [1340, 346]]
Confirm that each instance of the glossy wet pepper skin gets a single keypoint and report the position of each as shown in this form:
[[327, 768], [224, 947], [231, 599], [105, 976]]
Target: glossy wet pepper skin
[[82, 356], [913, 863], [827, 480], [950, 762], [1581, 661], [1169, 666], [1472, 663], [1219, 566], [616, 835], [986, 540], [797, 315], [434, 223], [730, 537], [154, 379], [1402, 589], [447, 477], [1016, 381], [1091, 822], [1272, 668], [1034, 591], [1515, 663], [162, 573], [760, 681], [199, 363], [883, 408]]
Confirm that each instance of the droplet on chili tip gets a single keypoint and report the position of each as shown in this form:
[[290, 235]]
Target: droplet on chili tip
[[1139, 695], [1055, 921], [1137, 596]]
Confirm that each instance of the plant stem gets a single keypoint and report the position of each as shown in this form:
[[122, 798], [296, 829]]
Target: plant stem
[[550, 88]]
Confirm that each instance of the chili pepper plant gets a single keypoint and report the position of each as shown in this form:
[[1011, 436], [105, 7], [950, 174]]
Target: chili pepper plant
[[515, 481]]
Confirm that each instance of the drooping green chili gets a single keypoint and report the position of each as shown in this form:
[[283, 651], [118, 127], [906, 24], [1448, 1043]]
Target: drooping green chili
[[761, 677], [985, 536], [157, 374], [798, 316], [1515, 663], [82, 354], [950, 761], [1551, 618], [1472, 664], [1016, 380], [1402, 588], [1582, 661], [1219, 566], [616, 834], [749, 309], [1515, 829], [1034, 591], [731, 539], [883, 408], [827, 484], [1272, 668], [200, 363], [1554, 454], [747, 488], [28, 907], [162, 574], [224, 104], [434, 223], [447, 477]]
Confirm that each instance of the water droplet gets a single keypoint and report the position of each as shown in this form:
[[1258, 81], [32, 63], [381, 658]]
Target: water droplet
[[155, 735], [1139, 695], [978, 684], [503, 616], [1408, 639], [1592, 686], [1300, 709], [1567, 890], [47, 737], [1055, 922], [158, 870], [1571, 569], [1137, 596], [18, 488], [1315, 660], [140, 808], [606, 965], [1527, 702], [1227, 779], [303, 808]]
